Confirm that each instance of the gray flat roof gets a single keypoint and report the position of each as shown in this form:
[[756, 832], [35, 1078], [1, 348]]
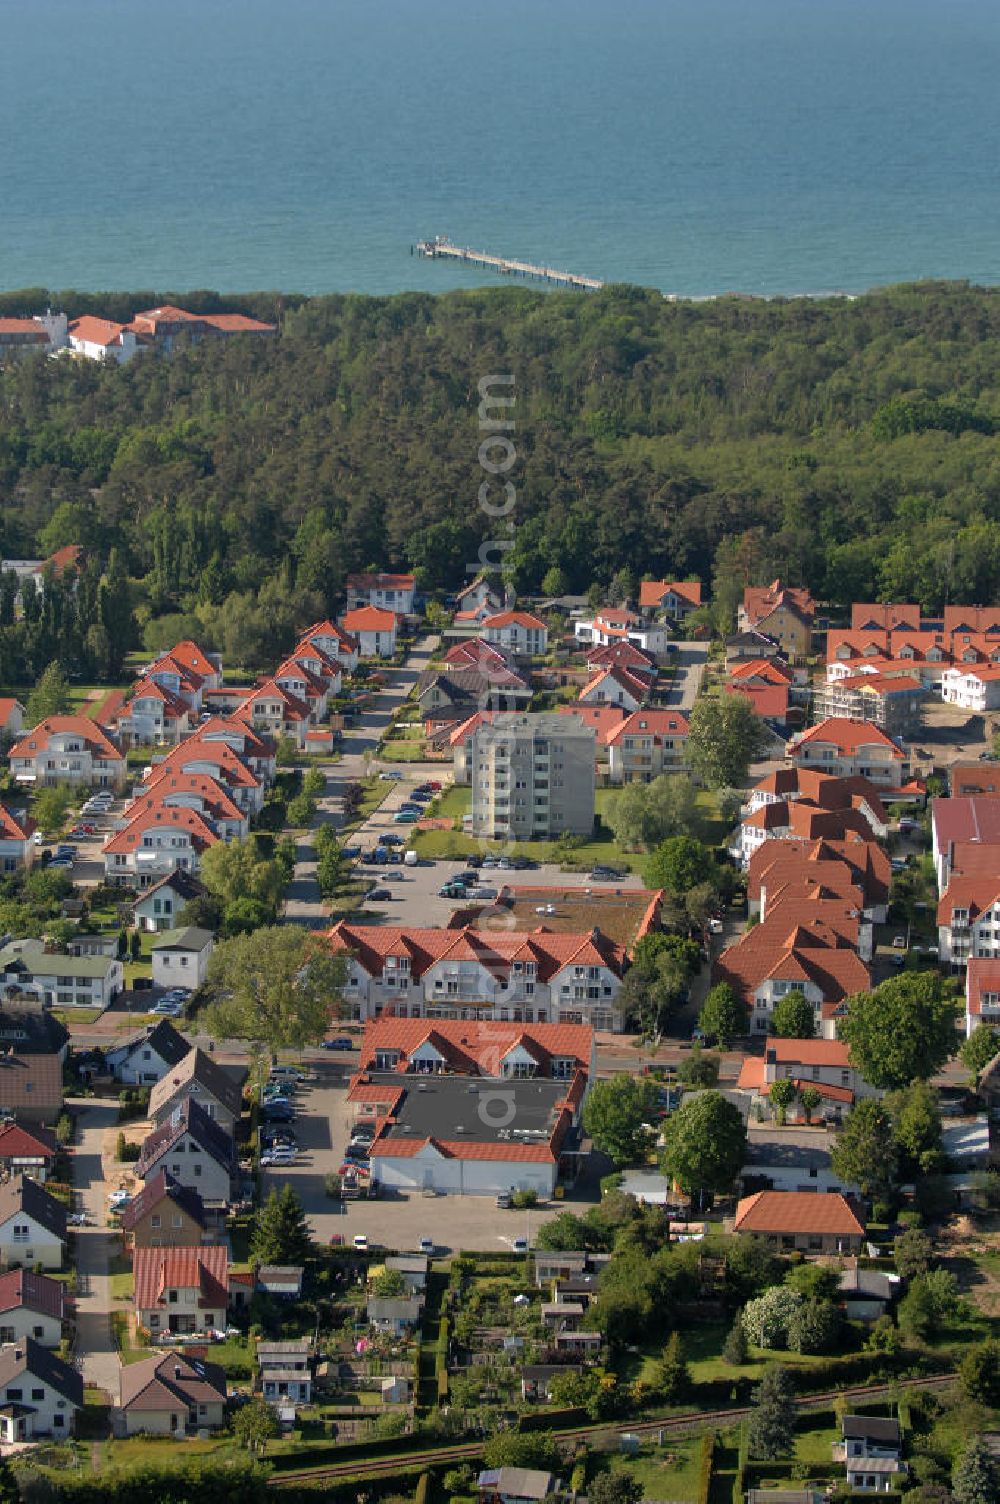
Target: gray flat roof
[[478, 1112]]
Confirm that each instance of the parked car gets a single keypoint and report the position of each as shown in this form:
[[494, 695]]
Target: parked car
[[389, 838], [287, 1073], [899, 942], [428, 1246], [504, 1199], [394, 877], [390, 775], [519, 1245], [380, 895], [281, 1154], [275, 1112], [339, 1042], [406, 816], [360, 1243]]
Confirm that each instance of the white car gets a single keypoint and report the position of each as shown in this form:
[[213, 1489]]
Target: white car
[[360, 1242], [520, 1245], [428, 1246], [279, 1155], [390, 775], [118, 1199]]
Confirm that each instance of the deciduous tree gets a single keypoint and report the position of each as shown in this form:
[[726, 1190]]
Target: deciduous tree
[[277, 987], [723, 1016], [705, 1143], [793, 1017], [724, 739], [615, 1113], [902, 1030]]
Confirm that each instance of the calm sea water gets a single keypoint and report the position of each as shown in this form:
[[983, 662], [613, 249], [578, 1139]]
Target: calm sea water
[[772, 146]]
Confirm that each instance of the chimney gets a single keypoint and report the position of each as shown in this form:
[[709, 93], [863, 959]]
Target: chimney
[[177, 1370], [18, 1354]]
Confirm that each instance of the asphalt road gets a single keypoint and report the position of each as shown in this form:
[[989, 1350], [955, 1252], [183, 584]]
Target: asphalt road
[[689, 660]]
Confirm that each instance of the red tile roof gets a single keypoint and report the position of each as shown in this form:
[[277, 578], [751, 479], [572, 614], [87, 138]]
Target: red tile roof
[[791, 1212], [17, 1142], [808, 1052], [847, 736], [883, 614], [162, 816], [381, 581], [24, 326], [651, 592], [625, 654], [205, 1269], [475, 1047], [515, 619], [981, 975], [761, 601], [369, 619], [976, 818], [21, 1289], [94, 331], [775, 862], [12, 829], [550, 952], [198, 748], [977, 893], [7, 707], [603, 718], [237, 323], [772, 670], [658, 723], [88, 731], [607, 678]]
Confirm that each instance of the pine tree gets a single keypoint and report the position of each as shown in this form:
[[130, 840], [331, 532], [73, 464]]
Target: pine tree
[[672, 1378], [281, 1234], [770, 1425], [976, 1475], [735, 1349], [50, 695]]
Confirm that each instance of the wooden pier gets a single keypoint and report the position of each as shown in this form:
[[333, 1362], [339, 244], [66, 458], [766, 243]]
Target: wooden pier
[[508, 266]]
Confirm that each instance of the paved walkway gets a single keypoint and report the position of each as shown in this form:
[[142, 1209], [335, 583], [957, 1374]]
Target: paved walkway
[[303, 903], [95, 1346]]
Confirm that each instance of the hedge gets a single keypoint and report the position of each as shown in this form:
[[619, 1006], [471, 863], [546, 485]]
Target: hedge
[[705, 1466], [422, 1492]]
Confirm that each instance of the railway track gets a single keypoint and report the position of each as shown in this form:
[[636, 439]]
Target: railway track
[[692, 1420]]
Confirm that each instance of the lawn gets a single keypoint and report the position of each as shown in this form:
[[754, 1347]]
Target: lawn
[[669, 1472], [122, 1286], [399, 750], [702, 1349], [454, 803]]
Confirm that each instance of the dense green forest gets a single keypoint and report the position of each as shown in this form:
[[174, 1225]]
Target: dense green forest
[[848, 445]]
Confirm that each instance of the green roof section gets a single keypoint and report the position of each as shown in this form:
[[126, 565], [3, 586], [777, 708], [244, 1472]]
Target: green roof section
[[32, 957], [187, 938]]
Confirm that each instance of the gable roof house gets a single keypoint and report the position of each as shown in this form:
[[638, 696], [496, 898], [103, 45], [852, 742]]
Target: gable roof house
[[810, 948], [157, 841], [159, 906], [27, 1151], [374, 630], [181, 1290], [31, 1305], [17, 845], [388, 592], [198, 1078], [809, 1222], [616, 686], [170, 1394], [521, 631], [842, 865], [31, 1087], [982, 994], [39, 1393], [645, 744], [675, 598], [194, 1150], [180, 957], [783, 612], [851, 749], [67, 750], [142, 1059], [59, 980], [823, 1064], [214, 752], [32, 1225], [165, 1214]]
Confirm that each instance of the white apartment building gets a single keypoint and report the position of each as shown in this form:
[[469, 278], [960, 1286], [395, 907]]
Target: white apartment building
[[532, 777]]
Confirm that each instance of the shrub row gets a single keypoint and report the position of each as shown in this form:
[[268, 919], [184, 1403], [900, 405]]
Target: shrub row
[[705, 1462]]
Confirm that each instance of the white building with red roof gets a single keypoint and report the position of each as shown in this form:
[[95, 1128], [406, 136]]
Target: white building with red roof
[[154, 715], [102, 339], [972, 688], [67, 750], [521, 631], [675, 598], [170, 787], [213, 759], [17, 846], [982, 994], [809, 946], [851, 749], [11, 718], [275, 712], [477, 1047], [846, 865], [616, 624], [334, 641], [821, 1064], [647, 743], [968, 915], [181, 1290], [374, 630], [31, 1305], [158, 840], [387, 592], [523, 977], [616, 686]]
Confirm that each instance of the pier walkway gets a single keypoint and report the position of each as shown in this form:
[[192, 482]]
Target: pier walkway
[[441, 246]]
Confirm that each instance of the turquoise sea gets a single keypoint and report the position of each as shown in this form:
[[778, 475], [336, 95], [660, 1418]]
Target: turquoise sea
[[699, 146]]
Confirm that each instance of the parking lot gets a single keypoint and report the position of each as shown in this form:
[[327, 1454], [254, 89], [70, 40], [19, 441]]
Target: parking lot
[[414, 890], [322, 1128]]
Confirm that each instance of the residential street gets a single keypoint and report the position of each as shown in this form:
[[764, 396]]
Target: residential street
[[94, 1247], [303, 903], [689, 660]]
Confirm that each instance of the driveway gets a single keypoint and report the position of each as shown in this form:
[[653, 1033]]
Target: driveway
[[95, 1348], [303, 903], [689, 659]]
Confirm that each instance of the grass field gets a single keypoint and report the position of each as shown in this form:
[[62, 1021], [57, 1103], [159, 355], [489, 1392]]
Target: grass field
[[454, 803], [669, 1472]]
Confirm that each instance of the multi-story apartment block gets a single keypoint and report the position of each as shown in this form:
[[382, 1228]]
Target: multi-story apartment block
[[532, 777], [510, 976], [646, 744], [67, 749]]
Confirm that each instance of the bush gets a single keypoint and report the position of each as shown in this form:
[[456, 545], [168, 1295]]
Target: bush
[[331, 1185], [705, 1462], [524, 1199]]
